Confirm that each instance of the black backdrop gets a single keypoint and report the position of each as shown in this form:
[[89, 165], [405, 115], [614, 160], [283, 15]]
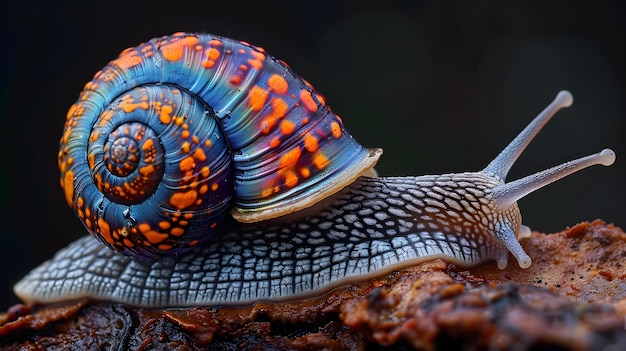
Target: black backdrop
[[441, 86]]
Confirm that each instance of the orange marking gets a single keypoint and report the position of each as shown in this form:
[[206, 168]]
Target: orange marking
[[193, 243], [320, 161], [128, 59], [68, 186], [128, 106], [208, 64], [279, 108], [290, 159], [213, 54], [335, 130], [278, 84], [310, 143], [203, 189], [258, 55], [291, 179], [185, 134], [187, 164], [128, 243], [183, 200], [255, 64], [321, 99], [205, 171], [268, 124], [164, 225], [105, 231], [91, 159], [199, 155], [287, 127], [257, 97], [214, 186], [188, 215], [186, 147], [215, 42], [307, 101], [154, 237], [235, 80], [148, 145], [267, 192], [305, 172], [165, 116], [147, 171], [177, 231], [174, 51], [275, 142], [208, 143], [165, 247]]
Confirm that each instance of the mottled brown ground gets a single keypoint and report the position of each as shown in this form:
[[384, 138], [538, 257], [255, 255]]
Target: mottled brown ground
[[573, 297]]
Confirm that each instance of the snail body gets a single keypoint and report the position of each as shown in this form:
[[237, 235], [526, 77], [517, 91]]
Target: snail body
[[367, 225]]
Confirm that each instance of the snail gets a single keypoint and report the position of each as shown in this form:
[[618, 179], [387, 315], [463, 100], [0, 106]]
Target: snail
[[180, 130]]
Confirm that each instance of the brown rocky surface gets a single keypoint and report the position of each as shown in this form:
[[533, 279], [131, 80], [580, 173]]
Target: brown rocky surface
[[573, 297]]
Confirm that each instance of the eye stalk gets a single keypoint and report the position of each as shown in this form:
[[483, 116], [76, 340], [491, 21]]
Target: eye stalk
[[505, 195]]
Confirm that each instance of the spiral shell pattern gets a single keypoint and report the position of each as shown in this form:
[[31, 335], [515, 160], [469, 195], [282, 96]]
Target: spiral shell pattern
[[174, 132]]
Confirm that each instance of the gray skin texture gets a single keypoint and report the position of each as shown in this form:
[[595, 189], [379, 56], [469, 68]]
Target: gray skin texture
[[374, 226]]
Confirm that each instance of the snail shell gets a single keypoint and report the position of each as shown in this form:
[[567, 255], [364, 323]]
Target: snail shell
[[371, 225], [175, 132]]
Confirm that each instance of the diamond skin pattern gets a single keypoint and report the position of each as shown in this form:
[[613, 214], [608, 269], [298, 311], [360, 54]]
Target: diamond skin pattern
[[374, 226]]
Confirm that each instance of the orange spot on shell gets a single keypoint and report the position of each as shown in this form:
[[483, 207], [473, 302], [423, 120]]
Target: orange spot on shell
[[287, 127], [320, 161], [174, 51], [187, 164], [199, 155], [182, 200], [105, 231], [185, 147], [128, 59], [256, 64], [165, 247], [68, 186], [305, 172], [335, 129], [257, 97], [278, 84], [290, 159], [177, 231], [311, 143], [165, 115], [291, 179], [147, 171], [307, 101]]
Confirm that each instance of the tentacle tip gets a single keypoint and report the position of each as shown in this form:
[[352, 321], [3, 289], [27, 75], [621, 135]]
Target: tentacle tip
[[524, 262], [564, 98], [524, 232], [606, 157]]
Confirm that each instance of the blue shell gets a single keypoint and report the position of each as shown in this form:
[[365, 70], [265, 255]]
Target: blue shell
[[177, 130]]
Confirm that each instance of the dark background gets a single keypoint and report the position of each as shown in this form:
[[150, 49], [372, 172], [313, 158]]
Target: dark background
[[441, 86]]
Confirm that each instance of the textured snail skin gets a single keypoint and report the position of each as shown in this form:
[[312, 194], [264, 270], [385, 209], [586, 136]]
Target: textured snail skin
[[374, 226]]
